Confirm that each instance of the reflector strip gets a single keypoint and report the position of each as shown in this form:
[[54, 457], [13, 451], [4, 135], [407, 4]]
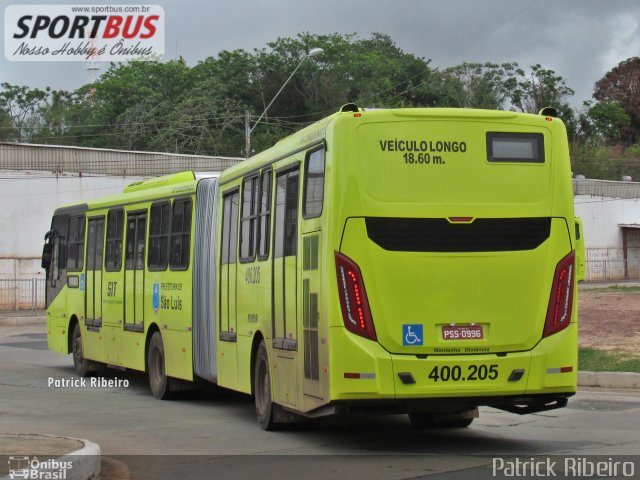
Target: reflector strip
[[560, 370], [361, 376]]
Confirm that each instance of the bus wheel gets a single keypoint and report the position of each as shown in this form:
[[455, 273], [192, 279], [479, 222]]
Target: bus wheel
[[430, 420], [82, 366], [265, 409], [158, 381]]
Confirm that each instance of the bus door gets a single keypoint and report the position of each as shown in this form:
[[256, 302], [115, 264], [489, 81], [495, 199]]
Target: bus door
[[312, 206], [285, 244], [228, 267], [113, 281], [93, 279], [134, 271], [227, 322]]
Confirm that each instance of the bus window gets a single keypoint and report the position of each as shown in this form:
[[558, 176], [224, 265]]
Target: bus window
[[113, 256], [229, 228], [227, 317], [180, 234], [136, 225], [75, 252], [248, 225], [286, 227], [265, 215], [55, 260], [159, 236], [314, 184]]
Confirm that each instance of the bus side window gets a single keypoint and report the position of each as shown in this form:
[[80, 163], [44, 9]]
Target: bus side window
[[115, 229], [180, 234], [249, 220], [55, 259], [264, 215], [285, 236], [314, 184], [229, 228], [75, 246], [159, 236]]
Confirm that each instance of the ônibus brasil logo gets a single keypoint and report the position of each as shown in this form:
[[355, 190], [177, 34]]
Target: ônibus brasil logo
[[32, 468], [83, 32]]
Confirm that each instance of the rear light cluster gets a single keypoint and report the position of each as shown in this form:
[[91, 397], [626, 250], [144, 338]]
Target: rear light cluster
[[561, 301], [356, 313]]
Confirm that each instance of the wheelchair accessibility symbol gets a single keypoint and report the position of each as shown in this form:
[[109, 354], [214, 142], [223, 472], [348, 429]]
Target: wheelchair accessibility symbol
[[412, 335]]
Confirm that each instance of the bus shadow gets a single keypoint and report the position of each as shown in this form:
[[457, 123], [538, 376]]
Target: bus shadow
[[356, 434]]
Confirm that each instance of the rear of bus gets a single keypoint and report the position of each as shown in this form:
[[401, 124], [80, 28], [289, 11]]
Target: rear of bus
[[454, 246]]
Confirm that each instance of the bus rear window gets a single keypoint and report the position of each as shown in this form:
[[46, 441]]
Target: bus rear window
[[515, 147]]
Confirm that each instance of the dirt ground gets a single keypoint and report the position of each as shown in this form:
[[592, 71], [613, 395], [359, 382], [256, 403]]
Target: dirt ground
[[609, 321]]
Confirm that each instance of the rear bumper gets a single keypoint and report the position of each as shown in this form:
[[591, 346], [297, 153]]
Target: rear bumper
[[370, 373], [520, 404]]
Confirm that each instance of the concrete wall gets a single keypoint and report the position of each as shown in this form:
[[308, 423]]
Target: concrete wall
[[29, 200], [601, 219]]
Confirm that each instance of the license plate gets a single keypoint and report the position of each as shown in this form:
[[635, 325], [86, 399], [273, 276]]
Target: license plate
[[462, 332]]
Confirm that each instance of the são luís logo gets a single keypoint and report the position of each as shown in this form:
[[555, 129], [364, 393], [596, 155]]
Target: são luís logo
[[155, 297]]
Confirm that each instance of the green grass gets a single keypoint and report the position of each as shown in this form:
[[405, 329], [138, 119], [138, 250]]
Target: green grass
[[594, 360]]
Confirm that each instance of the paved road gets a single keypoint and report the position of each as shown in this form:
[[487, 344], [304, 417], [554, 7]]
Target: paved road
[[128, 421]]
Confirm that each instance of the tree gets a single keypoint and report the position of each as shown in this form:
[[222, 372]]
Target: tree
[[476, 85], [541, 88], [206, 121], [7, 132], [607, 120], [22, 104], [622, 86]]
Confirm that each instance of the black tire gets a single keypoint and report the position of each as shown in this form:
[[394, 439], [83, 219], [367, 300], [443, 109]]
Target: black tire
[[430, 420], [159, 383], [82, 366], [265, 409]]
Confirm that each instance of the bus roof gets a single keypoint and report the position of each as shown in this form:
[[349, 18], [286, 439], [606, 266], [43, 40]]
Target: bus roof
[[177, 184], [316, 132]]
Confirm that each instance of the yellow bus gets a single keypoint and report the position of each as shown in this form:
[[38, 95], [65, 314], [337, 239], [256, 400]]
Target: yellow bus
[[417, 261]]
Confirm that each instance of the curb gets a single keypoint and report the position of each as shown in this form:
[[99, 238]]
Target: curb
[[609, 379], [84, 463], [16, 321]]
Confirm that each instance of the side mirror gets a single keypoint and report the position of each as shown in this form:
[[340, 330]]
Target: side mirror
[[580, 253], [46, 255]]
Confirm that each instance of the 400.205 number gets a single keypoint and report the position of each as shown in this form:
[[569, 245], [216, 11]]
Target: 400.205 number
[[455, 373]]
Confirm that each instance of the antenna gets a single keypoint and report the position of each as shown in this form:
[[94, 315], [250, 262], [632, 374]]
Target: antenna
[[92, 66]]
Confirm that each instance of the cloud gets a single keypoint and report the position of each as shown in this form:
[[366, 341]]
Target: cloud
[[579, 39]]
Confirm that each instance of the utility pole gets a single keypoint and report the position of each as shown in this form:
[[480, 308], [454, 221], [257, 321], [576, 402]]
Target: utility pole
[[247, 134]]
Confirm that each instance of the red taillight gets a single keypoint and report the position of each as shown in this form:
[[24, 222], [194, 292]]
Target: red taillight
[[353, 298], [561, 301]]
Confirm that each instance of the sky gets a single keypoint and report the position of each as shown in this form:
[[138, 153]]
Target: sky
[[579, 39]]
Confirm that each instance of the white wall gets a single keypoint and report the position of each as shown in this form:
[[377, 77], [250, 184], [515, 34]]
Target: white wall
[[601, 218], [28, 201]]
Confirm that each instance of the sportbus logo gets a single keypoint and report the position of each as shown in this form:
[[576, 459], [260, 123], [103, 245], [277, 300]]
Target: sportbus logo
[[109, 33]]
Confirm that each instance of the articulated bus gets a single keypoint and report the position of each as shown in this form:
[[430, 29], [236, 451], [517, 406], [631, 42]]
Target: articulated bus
[[417, 261]]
